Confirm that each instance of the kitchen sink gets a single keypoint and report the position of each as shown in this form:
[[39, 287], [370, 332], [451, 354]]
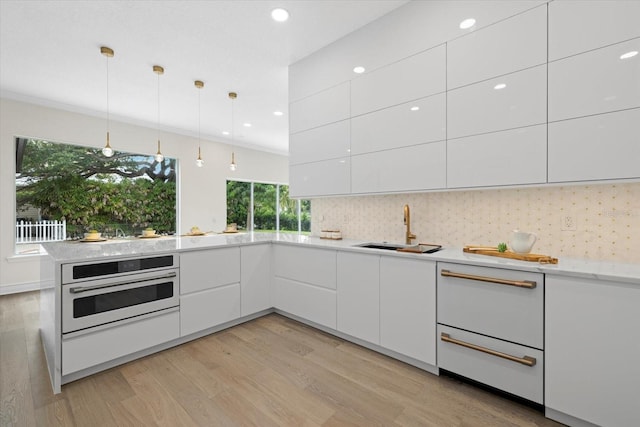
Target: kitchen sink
[[383, 245], [420, 249]]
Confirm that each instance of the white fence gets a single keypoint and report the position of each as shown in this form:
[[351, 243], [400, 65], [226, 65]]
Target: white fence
[[41, 231]]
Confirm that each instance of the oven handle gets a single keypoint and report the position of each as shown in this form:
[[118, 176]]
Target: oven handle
[[80, 289]]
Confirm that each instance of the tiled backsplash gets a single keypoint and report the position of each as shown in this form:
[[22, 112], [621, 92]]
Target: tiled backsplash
[[606, 216]]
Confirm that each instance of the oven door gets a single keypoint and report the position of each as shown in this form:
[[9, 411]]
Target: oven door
[[97, 302]]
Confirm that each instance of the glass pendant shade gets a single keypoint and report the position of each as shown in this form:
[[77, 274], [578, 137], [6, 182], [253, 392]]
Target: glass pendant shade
[[159, 157], [107, 151], [233, 165]]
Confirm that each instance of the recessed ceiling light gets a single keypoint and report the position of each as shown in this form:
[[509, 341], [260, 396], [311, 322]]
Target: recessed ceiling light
[[500, 86], [278, 113], [279, 14], [247, 125], [629, 54], [467, 23], [225, 132], [359, 69], [415, 108]]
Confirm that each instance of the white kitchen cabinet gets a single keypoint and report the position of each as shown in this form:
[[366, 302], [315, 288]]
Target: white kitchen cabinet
[[324, 178], [579, 26], [200, 270], [511, 157], [305, 283], [510, 375], [330, 105], [408, 307], [595, 82], [419, 167], [105, 345], [209, 288], [592, 349], [603, 146], [206, 309], [511, 45], [483, 107], [322, 143], [417, 122], [358, 297], [255, 279], [411, 78]]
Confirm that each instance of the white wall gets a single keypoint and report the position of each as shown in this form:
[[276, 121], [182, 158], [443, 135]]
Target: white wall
[[202, 191]]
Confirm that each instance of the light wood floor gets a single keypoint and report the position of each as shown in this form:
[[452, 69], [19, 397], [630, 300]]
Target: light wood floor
[[272, 371]]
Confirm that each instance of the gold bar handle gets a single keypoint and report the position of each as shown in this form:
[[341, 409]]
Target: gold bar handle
[[518, 283], [526, 360]]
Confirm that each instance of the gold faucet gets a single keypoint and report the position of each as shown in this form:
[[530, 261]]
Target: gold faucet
[[407, 221]]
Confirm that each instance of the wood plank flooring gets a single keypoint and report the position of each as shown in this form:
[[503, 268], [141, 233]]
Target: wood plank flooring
[[272, 371]]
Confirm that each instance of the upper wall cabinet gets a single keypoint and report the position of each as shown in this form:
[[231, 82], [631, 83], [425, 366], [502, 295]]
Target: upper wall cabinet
[[513, 44], [595, 82], [511, 101], [411, 78], [325, 178], [321, 143], [407, 124], [512, 157], [603, 146], [325, 107], [419, 167], [579, 26]]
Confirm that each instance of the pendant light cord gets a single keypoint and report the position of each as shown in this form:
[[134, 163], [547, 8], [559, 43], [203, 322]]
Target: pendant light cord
[[158, 126], [107, 58]]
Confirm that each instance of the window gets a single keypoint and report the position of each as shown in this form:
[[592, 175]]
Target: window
[[266, 207], [76, 189]]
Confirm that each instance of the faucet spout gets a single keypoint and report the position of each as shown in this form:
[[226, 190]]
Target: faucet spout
[[407, 222]]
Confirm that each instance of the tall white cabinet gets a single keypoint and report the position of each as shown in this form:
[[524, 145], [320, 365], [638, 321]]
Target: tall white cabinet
[[592, 347]]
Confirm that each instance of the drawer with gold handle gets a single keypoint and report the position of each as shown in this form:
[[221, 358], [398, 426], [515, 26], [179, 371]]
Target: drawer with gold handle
[[529, 284], [526, 360]]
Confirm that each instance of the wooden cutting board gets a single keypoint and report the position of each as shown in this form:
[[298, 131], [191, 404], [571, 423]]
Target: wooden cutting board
[[493, 251]]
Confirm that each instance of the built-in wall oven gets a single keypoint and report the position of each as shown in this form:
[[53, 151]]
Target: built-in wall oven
[[114, 291]]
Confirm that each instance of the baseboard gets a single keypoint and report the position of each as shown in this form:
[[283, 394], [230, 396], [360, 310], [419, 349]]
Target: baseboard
[[19, 287]]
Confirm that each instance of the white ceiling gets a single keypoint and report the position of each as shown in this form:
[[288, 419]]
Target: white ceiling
[[50, 55]]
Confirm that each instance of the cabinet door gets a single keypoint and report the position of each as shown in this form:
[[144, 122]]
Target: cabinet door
[[420, 167], [595, 82], [511, 45], [201, 270], [255, 279], [413, 123], [359, 296], [572, 24], [592, 348], [414, 77], [209, 308], [325, 178], [321, 143], [488, 106], [517, 156], [309, 302], [105, 345], [330, 105], [604, 146], [408, 307], [308, 265]]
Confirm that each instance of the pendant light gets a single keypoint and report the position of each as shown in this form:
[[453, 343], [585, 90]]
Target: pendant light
[[107, 151], [159, 71], [233, 166], [199, 162]]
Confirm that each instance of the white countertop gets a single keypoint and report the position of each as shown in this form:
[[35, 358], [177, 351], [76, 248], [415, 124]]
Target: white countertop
[[66, 252]]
